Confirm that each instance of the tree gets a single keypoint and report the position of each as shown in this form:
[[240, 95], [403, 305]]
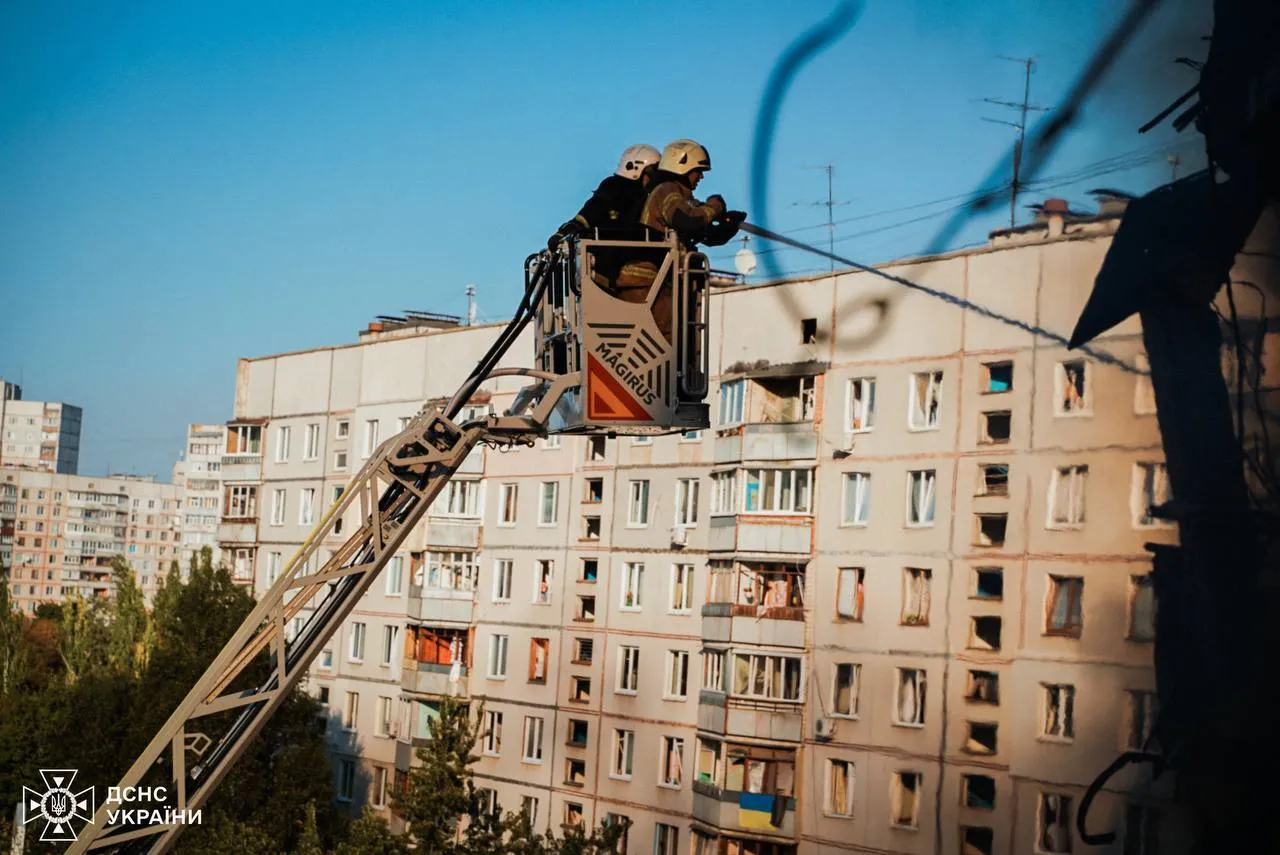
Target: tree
[[126, 653], [309, 839], [82, 636], [13, 650], [370, 835]]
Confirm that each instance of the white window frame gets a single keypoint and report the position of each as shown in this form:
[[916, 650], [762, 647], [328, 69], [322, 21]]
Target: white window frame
[[677, 672], [666, 839], [307, 506], [628, 681], [1143, 499], [773, 673], [633, 586], [394, 584], [732, 398], [275, 561], [508, 498], [671, 745], [856, 485], [351, 712], [531, 744], [279, 499], [311, 444], [503, 569], [680, 595], [829, 807], [492, 737], [784, 481], [624, 753], [382, 723], [726, 498], [859, 405], [284, 436], [355, 642], [933, 393], [1060, 387], [390, 637], [460, 499], [850, 578], [713, 662], [1077, 480], [638, 503], [370, 436], [687, 490], [926, 503], [379, 787], [553, 488], [497, 660], [342, 429], [542, 591]]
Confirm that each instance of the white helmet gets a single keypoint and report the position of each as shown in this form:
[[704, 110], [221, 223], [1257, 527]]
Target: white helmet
[[684, 156], [635, 159]]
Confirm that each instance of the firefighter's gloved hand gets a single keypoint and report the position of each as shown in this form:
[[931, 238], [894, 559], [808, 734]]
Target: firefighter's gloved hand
[[717, 203], [735, 217], [720, 232]]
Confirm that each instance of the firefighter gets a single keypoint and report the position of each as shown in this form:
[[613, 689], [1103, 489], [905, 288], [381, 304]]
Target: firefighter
[[616, 204], [671, 205]]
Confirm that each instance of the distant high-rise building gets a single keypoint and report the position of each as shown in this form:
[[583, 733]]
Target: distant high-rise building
[[199, 476], [38, 434]]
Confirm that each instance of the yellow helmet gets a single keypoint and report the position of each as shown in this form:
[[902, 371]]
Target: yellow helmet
[[635, 159], [684, 156]]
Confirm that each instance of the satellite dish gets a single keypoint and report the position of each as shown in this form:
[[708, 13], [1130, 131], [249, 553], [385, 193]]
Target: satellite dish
[[745, 261]]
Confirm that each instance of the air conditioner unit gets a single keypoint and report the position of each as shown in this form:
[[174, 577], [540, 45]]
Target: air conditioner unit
[[679, 536], [824, 728]]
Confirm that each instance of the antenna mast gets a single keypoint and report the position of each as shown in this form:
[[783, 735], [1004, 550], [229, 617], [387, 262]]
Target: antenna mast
[[471, 305], [1028, 64], [830, 204]]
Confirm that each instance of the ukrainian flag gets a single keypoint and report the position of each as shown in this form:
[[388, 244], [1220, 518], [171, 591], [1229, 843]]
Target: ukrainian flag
[[755, 810]]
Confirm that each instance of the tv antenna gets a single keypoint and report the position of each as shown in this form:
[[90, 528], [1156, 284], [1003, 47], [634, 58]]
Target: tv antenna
[[830, 204], [1028, 64]]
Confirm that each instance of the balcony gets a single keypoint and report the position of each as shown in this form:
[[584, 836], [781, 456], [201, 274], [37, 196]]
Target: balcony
[[755, 719], [440, 605], [767, 442], [790, 535], [453, 533], [232, 530], [241, 467], [724, 809], [430, 678], [755, 603]]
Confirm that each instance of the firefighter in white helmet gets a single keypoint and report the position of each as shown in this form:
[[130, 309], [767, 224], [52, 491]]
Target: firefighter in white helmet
[[616, 204]]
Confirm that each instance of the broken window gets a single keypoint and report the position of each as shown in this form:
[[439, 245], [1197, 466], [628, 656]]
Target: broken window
[[542, 581], [1142, 608], [1066, 496], [1141, 714], [580, 690], [845, 691], [578, 729], [1065, 614], [1073, 389], [860, 405], [1054, 832], [492, 732], [677, 685], [241, 502], [783, 400], [840, 779], [976, 840], [995, 427], [508, 497], [768, 677], [590, 570], [632, 585], [906, 799], [849, 593], [915, 596], [594, 491], [575, 775], [909, 709], [808, 330], [681, 589], [997, 377], [990, 529], [732, 398], [926, 390], [1151, 490], [921, 486], [981, 738], [757, 769], [979, 791], [450, 571], [988, 583], [993, 479], [532, 739], [539, 650], [596, 448], [244, 439], [672, 761], [983, 687], [1058, 702], [857, 498], [586, 609], [624, 742], [984, 633]]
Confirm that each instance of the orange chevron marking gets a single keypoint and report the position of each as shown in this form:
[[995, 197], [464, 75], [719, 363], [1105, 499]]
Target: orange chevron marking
[[607, 399]]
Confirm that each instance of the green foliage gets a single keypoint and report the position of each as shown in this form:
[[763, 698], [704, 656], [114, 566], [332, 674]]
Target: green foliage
[[370, 835], [128, 627], [13, 649]]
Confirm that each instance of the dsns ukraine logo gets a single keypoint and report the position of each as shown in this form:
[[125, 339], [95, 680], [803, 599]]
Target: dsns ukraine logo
[[58, 805]]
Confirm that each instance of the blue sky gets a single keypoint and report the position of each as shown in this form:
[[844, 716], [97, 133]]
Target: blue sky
[[185, 183]]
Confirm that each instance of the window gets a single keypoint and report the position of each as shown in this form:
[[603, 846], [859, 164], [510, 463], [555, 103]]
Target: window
[[449, 571], [724, 493], [459, 499], [984, 632], [355, 647], [591, 527], [395, 576], [981, 738], [860, 405], [666, 839], [624, 744], [389, 636], [677, 684], [983, 687], [502, 568], [492, 733], [1142, 609], [628, 670], [1141, 717], [578, 730], [384, 716], [691, 436], [277, 507], [672, 769], [593, 491], [1053, 833], [370, 436], [638, 506], [840, 778], [997, 377], [488, 801], [241, 439], [351, 711], [498, 657], [551, 442], [326, 658], [1064, 614], [767, 676], [1074, 393], [545, 569], [342, 429], [311, 443], [307, 507], [993, 479], [1150, 490], [713, 670], [687, 502], [1057, 703], [681, 589], [916, 582], [976, 840], [844, 693], [548, 505], [340, 460], [909, 710], [906, 799], [849, 593], [994, 428], [529, 808], [597, 448], [732, 397], [857, 498], [978, 792], [1066, 497], [778, 491], [580, 690], [590, 570], [508, 495], [283, 434], [274, 560], [921, 486], [532, 739], [632, 586], [926, 390], [586, 608], [539, 650], [1141, 830], [582, 650], [988, 583], [346, 780]]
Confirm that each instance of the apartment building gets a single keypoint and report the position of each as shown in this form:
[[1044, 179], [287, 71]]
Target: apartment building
[[58, 533], [895, 599], [198, 475], [38, 434]]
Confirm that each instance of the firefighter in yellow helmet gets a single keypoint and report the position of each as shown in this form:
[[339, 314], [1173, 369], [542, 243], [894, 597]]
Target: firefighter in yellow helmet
[[671, 206]]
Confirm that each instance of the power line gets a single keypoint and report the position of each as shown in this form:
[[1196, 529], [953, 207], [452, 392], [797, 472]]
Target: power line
[[1020, 126]]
